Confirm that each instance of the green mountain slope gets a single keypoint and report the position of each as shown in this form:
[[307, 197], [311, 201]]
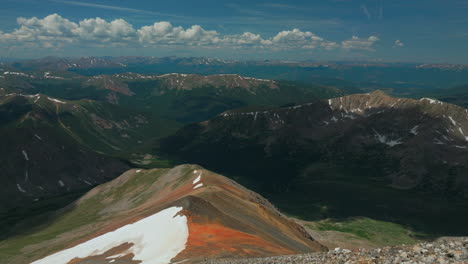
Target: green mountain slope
[[55, 147], [41, 156]]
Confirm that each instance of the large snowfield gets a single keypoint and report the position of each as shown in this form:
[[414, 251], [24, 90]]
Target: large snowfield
[[156, 240]]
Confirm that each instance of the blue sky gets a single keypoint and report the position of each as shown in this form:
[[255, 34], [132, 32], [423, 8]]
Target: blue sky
[[396, 30]]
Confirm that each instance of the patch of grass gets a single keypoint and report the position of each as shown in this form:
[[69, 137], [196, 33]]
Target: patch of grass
[[377, 232], [186, 174], [72, 219]]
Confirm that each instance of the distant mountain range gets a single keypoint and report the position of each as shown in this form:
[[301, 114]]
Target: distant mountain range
[[60, 63], [398, 78], [181, 97]]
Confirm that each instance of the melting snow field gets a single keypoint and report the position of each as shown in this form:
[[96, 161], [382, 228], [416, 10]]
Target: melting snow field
[[157, 239]]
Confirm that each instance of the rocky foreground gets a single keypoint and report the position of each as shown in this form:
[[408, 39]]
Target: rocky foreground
[[443, 251]]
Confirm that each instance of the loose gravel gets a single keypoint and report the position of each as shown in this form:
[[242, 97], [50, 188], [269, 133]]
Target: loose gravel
[[442, 251]]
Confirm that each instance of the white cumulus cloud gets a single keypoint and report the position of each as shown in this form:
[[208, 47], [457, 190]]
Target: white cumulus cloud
[[165, 33], [55, 31], [356, 43], [101, 30], [398, 43], [245, 39], [52, 27], [301, 39]]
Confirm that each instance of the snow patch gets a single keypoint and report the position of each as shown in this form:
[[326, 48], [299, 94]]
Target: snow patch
[[256, 79], [431, 101], [356, 110], [414, 130], [463, 134], [25, 154], [17, 74], [453, 121], [172, 74], [198, 186], [60, 182], [390, 142], [197, 179], [87, 182], [20, 189], [48, 76], [156, 240], [138, 171], [56, 100], [38, 137]]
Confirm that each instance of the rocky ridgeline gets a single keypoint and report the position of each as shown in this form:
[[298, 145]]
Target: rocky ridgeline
[[443, 251]]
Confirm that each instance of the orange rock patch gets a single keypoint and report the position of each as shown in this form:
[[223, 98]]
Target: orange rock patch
[[217, 241]]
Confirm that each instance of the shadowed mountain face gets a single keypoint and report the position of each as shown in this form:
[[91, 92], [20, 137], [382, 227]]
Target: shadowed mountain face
[[50, 146], [367, 154], [195, 214]]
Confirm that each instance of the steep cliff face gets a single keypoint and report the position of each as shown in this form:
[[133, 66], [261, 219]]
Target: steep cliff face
[[187, 213]]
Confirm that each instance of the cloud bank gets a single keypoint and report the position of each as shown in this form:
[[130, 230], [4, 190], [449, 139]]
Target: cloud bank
[[56, 31]]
